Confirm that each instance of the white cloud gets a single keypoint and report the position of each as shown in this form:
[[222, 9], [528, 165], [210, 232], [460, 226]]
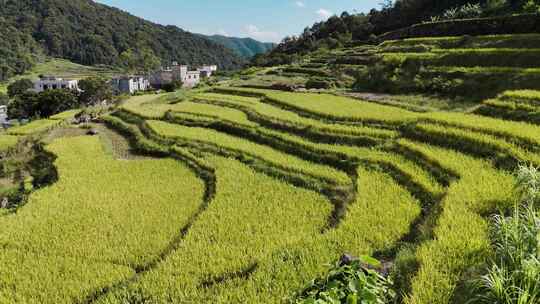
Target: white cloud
[[223, 32], [255, 33], [300, 4], [324, 14]]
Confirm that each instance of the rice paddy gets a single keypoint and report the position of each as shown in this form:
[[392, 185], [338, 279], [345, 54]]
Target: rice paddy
[[254, 192]]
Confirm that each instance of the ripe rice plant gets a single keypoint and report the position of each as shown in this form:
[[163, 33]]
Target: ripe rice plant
[[215, 111], [34, 127], [100, 223], [241, 226], [333, 107], [461, 236], [278, 115], [8, 142], [65, 115], [196, 135]]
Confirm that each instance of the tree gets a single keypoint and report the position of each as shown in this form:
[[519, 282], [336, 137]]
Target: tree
[[4, 99], [94, 90], [51, 102], [140, 61], [23, 106], [19, 87], [44, 104], [173, 86]]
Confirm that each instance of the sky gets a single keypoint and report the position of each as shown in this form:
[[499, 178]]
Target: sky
[[263, 20]]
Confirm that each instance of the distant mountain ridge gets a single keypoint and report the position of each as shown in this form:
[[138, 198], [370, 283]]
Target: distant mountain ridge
[[90, 33], [244, 47]]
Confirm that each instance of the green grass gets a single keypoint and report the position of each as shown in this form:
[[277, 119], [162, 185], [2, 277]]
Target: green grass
[[103, 219]]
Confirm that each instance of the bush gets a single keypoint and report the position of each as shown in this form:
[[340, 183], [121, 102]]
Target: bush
[[319, 83], [353, 281], [514, 276], [466, 11], [19, 87], [173, 86]]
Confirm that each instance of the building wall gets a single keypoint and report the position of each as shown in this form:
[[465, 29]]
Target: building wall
[[49, 84], [130, 85], [192, 79], [3, 114]]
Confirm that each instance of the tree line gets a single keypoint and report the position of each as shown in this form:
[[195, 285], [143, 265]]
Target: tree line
[[339, 30], [90, 33]]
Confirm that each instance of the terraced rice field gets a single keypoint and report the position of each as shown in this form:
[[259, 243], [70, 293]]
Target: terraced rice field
[[254, 192]]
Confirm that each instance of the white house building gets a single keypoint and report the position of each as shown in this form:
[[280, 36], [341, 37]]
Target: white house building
[[52, 83], [191, 79], [130, 84], [3, 115], [207, 70], [176, 72]]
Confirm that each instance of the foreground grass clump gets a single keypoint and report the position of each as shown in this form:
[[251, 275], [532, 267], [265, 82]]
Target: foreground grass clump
[[514, 276], [97, 225]]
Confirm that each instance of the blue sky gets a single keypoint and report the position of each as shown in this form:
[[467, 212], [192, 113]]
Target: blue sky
[[265, 20]]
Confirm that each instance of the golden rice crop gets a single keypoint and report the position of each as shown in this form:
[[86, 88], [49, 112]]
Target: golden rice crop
[[99, 222]]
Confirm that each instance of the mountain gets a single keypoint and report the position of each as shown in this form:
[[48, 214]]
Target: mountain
[[244, 47], [90, 33]]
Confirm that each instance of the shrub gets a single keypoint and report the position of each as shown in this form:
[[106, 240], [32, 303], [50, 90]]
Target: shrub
[[173, 86], [514, 276], [468, 10], [319, 83], [354, 282]]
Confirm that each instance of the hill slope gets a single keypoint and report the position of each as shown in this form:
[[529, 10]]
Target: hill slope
[[90, 33], [244, 47]]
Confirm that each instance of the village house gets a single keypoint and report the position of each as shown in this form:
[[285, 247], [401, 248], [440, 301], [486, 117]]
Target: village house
[[3, 115], [177, 72], [130, 84], [52, 83], [191, 79], [207, 70]]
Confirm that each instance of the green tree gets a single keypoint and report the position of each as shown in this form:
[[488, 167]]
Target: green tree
[[55, 101], [94, 90], [19, 87], [4, 99], [23, 106], [140, 61]]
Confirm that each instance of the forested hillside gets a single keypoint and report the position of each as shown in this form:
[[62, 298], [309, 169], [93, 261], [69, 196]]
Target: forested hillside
[[90, 33], [245, 47], [340, 30]]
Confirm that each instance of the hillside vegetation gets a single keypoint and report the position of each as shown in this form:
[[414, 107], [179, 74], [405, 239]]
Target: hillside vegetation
[[89, 33], [244, 47], [61, 68]]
